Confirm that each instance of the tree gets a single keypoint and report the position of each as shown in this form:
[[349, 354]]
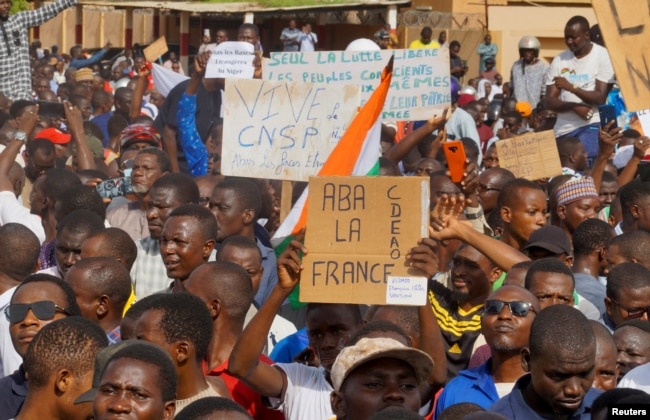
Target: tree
[[19, 6]]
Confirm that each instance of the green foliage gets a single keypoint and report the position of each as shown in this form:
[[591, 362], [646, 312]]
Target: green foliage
[[19, 6]]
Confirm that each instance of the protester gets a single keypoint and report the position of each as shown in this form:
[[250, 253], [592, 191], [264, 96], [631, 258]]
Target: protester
[[290, 37], [492, 260], [577, 83]]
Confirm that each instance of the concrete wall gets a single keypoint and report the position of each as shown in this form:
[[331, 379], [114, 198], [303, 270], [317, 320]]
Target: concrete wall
[[546, 23], [99, 26]]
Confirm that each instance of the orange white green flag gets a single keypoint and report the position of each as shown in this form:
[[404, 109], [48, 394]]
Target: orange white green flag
[[356, 154]]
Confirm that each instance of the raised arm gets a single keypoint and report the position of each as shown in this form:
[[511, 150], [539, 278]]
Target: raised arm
[[85, 159], [607, 141], [501, 254], [140, 87], [401, 149], [424, 258], [11, 211], [262, 378], [41, 15]]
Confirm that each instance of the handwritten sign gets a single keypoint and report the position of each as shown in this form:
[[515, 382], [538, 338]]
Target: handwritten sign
[[282, 130], [531, 155], [231, 59], [625, 25], [643, 124], [359, 230], [156, 49], [419, 89]]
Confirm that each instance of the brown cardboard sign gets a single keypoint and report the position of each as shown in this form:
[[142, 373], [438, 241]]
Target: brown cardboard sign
[[359, 230], [156, 49], [625, 25], [531, 155]]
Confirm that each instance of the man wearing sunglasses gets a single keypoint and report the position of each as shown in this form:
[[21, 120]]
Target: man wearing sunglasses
[[506, 321], [627, 294], [561, 368], [37, 301], [14, 267]]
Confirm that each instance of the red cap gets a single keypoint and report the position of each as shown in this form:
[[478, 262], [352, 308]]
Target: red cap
[[54, 135], [465, 98]]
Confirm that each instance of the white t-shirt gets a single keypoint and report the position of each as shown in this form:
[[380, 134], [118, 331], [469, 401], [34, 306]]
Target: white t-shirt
[[582, 72], [503, 388], [308, 41], [9, 359], [307, 395], [280, 328], [637, 378]]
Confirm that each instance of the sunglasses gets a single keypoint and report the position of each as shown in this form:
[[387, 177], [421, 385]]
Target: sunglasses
[[633, 313], [43, 310], [517, 308]]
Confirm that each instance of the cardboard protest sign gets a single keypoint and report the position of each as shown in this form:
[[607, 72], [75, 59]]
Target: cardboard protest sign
[[156, 49], [281, 130], [359, 230], [531, 155], [231, 59], [419, 89], [625, 25]]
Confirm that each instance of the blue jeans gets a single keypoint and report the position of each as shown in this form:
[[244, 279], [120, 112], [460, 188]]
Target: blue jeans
[[588, 135]]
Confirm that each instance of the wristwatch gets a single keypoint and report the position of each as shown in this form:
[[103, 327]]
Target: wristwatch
[[20, 135]]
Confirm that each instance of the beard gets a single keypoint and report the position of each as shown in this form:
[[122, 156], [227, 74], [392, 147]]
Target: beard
[[140, 189]]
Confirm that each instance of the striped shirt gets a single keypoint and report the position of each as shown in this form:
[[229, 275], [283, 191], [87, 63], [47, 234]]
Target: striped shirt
[[459, 328]]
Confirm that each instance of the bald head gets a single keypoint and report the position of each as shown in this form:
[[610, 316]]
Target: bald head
[[226, 283], [547, 337], [25, 248], [101, 276], [111, 242]]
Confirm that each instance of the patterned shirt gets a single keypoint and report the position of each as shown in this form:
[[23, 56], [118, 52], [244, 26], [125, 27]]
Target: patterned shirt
[[528, 81], [114, 336], [15, 74], [459, 328], [46, 258], [148, 273], [195, 151]]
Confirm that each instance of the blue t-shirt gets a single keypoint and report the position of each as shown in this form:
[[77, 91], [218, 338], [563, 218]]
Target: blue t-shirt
[[472, 385]]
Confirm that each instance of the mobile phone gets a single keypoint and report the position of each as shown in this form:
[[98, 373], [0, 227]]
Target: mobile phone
[[51, 109], [116, 187], [607, 114], [455, 154]]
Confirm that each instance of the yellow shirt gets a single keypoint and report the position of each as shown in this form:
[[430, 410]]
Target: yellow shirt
[[131, 301], [418, 45]]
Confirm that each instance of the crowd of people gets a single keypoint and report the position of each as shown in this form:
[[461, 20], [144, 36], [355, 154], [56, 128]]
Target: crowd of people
[[136, 280]]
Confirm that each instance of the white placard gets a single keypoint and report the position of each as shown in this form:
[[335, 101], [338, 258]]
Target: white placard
[[420, 86], [231, 59], [282, 130], [644, 120], [406, 291]]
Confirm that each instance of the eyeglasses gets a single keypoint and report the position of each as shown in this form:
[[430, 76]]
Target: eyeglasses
[[633, 313], [483, 187], [517, 308], [43, 310]]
